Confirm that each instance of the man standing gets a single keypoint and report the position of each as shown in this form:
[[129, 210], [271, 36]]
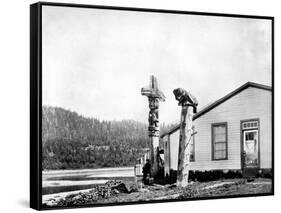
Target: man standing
[[146, 172]]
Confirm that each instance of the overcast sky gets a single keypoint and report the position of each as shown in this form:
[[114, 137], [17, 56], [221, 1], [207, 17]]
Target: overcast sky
[[95, 62]]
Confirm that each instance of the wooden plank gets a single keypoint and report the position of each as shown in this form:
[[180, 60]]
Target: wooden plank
[[167, 159]]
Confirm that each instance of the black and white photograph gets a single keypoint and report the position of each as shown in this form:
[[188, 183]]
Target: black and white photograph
[[143, 106]]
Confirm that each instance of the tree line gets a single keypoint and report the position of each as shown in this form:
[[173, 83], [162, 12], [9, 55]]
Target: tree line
[[70, 140]]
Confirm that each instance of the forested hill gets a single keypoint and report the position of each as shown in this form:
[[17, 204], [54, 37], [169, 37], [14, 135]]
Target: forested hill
[[58, 123], [73, 141]]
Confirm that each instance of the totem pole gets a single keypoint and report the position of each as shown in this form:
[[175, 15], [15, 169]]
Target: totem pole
[[154, 96], [189, 106]]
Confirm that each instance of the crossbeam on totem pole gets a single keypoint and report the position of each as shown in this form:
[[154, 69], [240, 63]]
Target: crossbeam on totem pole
[[154, 96]]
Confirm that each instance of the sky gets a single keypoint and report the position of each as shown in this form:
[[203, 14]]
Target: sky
[[95, 61]]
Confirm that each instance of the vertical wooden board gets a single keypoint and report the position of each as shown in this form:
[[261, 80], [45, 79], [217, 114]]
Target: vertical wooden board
[[167, 155]]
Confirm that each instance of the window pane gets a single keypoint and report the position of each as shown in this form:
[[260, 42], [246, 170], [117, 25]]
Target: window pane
[[191, 150], [251, 136], [250, 124], [191, 157], [192, 146], [220, 129], [220, 154], [219, 142], [220, 146], [220, 137], [220, 133]]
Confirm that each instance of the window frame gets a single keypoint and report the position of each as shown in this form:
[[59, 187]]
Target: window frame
[[193, 141], [213, 140]]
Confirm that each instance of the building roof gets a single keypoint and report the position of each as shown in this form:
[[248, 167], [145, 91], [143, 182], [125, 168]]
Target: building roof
[[220, 101]]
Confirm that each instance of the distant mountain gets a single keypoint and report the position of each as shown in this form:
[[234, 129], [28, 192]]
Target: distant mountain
[[74, 141], [71, 140], [58, 123]]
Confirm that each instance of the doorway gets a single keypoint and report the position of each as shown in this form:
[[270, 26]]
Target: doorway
[[250, 147]]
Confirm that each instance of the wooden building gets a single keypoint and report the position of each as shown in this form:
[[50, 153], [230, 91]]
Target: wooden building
[[233, 133]]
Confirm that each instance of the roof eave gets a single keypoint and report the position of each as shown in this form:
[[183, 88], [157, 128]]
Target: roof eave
[[220, 101]]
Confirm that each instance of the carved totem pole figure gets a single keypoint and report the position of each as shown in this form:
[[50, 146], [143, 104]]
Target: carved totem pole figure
[[154, 96], [189, 106]]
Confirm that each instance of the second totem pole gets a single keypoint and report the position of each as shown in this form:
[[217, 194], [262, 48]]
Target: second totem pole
[[189, 106]]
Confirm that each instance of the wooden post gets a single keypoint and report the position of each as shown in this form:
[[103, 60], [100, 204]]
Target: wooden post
[[188, 104], [184, 145], [167, 159], [154, 96], [154, 149]]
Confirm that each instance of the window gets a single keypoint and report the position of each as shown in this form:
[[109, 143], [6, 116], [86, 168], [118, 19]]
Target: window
[[219, 141], [250, 125], [192, 149]]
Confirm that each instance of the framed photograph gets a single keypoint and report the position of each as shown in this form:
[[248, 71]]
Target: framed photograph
[[134, 105]]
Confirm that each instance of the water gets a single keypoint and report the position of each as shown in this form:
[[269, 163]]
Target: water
[[66, 181]]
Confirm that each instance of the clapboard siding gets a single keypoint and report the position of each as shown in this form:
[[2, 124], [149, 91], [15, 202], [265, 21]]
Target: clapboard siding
[[174, 149], [250, 103]]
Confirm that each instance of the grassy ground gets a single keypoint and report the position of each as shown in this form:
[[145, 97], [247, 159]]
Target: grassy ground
[[225, 188]]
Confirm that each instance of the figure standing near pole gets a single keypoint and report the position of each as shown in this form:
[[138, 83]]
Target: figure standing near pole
[[146, 170]]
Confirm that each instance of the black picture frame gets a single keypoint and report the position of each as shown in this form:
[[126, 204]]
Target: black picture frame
[[36, 97]]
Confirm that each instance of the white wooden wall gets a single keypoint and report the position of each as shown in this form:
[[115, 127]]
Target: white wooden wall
[[250, 103]]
